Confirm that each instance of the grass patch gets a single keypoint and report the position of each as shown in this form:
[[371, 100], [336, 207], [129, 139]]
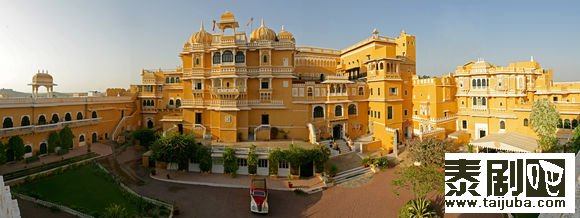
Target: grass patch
[[44, 167], [88, 189]]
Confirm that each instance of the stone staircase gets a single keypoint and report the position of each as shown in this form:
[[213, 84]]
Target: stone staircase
[[351, 174], [343, 146]]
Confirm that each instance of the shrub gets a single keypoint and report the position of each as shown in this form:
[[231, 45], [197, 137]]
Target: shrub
[[230, 161], [53, 141], [274, 131], [419, 207], [252, 160], [203, 154], [383, 163], [331, 170], [145, 136], [429, 151], [115, 211], [274, 157], [17, 145], [66, 137]]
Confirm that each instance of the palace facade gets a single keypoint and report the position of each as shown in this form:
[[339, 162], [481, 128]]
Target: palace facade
[[233, 87]]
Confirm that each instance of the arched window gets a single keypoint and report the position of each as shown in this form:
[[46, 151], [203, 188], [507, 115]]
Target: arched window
[[82, 138], [178, 103], [176, 79], [502, 125], [170, 102], [309, 92], [567, 124], [265, 59], [67, 117], [338, 110], [216, 58], [352, 109], [574, 124], [474, 101], [240, 57], [79, 116], [526, 122], [55, 118], [7, 123], [318, 112], [228, 56], [94, 114], [172, 80], [381, 66], [145, 102], [361, 91], [41, 120], [483, 83], [27, 149], [166, 79], [473, 83], [483, 101], [25, 121], [478, 83]]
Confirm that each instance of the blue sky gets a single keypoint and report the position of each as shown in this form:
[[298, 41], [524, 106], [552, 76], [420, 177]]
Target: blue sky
[[92, 45]]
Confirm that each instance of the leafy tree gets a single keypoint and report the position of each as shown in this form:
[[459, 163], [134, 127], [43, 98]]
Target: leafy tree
[[429, 151], [116, 211], [203, 154], [252, 160], [145, 136], [53, 141], [2, 153], [319, 154], [544, 117], [230, 161], [17, 145], [419, 180], [176, 149], [66, 138], [575, 142]]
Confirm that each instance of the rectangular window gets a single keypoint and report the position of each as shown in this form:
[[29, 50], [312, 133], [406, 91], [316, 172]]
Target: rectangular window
[[379, 91], [198, 86], [265, 119], [555, 99], [283, 164], [159, 88], [416, 113], [197, 118], [379, 115], [242, 162], [317, 92], [265, 85], [390, 112], [464, 124], [323, 92], [405, 113], [301, 91], [263, 163], [294, 92], [285, 84], [393, 91], [371, 91]]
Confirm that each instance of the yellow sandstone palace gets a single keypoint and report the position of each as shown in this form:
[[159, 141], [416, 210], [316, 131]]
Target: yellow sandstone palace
[[233, 87]]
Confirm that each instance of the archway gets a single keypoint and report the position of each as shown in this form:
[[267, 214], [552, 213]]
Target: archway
[[82, 140], [150, 124], [94, 137], [7, 123], [337, 131], [43, 148], [55, 118]]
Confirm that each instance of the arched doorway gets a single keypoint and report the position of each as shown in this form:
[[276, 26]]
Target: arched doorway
[[149, 124], [82, 140], [43, 148], [337, 131], [94, 137]]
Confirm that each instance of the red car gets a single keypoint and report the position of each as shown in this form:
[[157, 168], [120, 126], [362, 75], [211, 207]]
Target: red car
[[259, 196]]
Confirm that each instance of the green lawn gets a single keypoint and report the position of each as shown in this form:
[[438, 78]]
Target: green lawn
[[88, 189]]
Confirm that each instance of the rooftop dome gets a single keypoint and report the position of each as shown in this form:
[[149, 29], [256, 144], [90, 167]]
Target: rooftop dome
[[263, 33], [284, 35], [201, 37], [42, 78], [228, 15]]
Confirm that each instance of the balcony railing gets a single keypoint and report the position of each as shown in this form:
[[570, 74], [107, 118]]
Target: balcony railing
[[80, 100], [47, 127], [231, 103]]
